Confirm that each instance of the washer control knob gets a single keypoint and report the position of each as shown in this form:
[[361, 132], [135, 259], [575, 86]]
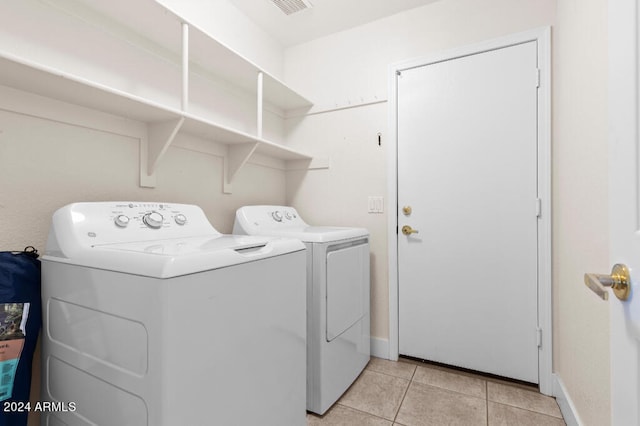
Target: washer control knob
[[277, 216], [288, 215], [180, 219], [153, 220], [121, 220]]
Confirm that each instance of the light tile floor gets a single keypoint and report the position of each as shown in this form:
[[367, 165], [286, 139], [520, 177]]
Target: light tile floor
[[411, 393]]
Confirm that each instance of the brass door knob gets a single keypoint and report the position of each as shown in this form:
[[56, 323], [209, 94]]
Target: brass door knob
[[619, 281], [407, 230]]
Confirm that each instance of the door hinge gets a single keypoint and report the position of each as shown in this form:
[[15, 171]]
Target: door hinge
[[537, 77], [538, 207], [539, 337]]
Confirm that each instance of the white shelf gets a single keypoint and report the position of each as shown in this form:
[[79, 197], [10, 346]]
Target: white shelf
[[45, 81], [148, 24], [176, 50]]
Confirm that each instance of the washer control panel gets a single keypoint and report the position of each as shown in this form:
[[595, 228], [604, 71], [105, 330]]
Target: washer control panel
[[153, 220], [285, 221], [106, 222], [154, 216], [286, 214], [268, 217], [279, 216], [276, 215]]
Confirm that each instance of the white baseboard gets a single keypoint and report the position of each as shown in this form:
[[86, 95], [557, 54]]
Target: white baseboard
[[569, 412], [380, 347]]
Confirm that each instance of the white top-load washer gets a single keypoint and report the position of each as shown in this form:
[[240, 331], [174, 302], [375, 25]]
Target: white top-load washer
[[338, 287], [152, 317]]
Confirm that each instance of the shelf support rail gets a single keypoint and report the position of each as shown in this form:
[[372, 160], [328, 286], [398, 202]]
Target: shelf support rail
[[260, 104], [185, 66]]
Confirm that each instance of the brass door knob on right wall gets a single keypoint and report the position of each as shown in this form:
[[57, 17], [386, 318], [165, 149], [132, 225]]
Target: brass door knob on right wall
[[619, 281]]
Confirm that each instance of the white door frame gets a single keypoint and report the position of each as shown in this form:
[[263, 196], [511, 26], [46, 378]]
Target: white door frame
[[624, 127], [543, 38]]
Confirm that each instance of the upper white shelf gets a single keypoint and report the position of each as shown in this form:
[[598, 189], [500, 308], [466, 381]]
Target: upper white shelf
[[52, 83], [140, 61], [149, 24], [35, 78]]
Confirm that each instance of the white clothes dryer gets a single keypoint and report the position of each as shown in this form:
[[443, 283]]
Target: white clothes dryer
[[338, 288], [152, 317]]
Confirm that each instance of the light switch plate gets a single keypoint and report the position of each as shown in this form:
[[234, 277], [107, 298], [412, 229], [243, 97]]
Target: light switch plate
[[376, 204]]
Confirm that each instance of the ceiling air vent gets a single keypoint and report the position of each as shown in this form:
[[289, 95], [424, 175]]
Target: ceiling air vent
[[292, 6]]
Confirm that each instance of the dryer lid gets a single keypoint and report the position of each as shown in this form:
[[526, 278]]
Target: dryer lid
[[317, 234]]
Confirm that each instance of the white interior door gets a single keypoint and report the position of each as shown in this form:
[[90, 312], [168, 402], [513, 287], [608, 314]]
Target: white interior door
[[467, 169], [624, 210]]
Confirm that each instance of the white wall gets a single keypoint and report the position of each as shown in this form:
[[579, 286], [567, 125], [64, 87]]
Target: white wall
[[580, 220], [352, 65], [53, 153], [227, 24], [46, 162], [349, 68]]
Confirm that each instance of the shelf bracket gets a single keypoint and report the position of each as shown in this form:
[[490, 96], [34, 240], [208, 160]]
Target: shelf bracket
[[260, 105], [185, 66], [237, 156], [310, 164], [160, 134]]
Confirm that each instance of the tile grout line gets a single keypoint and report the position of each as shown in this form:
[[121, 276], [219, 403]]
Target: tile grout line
[[506, 404], [529, 410], [486, 395], [392, 375], [395, 417], [453, 391], [363, 412]]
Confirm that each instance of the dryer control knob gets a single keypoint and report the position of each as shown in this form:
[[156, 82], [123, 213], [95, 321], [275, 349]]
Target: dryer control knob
[[288, 215], [153, 220], [277, 216], [121, 220], [180, 219]]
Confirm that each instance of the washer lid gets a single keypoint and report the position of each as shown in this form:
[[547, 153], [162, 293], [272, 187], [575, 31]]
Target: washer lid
[[187, 246], [180, 256]]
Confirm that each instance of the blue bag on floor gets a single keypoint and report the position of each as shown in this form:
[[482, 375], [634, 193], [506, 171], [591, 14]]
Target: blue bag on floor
[[20, 322]]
